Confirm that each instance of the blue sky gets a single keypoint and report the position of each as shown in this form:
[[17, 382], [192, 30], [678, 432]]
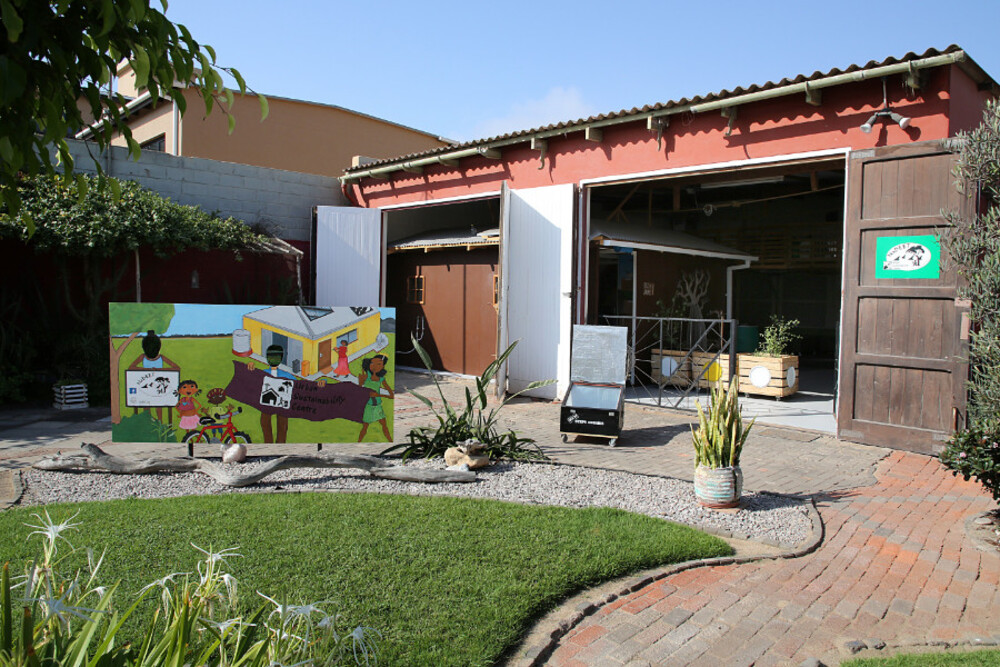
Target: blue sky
[[467, 70]]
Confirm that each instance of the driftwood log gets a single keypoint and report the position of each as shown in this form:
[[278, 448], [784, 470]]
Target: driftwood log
[[95, 458]]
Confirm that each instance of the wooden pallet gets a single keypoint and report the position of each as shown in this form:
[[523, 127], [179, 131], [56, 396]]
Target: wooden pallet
[[680, 378], [717, 371], [768, 376]]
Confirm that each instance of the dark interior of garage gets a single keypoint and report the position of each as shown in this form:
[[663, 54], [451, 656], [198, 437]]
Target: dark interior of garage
[[790, 218]]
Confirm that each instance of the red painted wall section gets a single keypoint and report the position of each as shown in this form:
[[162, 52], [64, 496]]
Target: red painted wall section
[[967, 102], [770, 128]]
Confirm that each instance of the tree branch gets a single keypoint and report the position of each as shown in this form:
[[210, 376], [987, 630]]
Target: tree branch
[[96, 459]]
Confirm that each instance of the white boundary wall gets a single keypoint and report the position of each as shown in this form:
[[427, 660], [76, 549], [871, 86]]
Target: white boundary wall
[[281, 200]]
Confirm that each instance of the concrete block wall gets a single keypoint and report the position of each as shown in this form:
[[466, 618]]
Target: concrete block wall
[[281, 200]]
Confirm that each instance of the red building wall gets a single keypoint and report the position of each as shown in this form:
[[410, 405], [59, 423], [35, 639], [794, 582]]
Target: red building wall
[[781, 126]]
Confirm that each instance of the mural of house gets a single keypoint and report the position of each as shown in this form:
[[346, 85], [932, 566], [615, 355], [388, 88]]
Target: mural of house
[[804, 175], [310, 335]]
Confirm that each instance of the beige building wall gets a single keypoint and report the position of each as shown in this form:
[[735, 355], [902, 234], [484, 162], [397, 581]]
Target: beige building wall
[[297, 136], [151, 122]]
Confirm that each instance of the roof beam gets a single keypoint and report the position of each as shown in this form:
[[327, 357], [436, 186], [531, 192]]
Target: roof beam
[[813, 97], [658, 124], [730, 113], [540, 145]]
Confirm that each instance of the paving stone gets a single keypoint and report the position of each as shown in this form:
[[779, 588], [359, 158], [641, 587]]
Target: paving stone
[[894, 550], [677, 617]]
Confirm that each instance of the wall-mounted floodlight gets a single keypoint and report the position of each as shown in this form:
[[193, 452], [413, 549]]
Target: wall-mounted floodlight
[[885, 112]]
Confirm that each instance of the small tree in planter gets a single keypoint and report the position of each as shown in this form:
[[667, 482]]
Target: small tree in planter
[[771, 371], [718, 443]]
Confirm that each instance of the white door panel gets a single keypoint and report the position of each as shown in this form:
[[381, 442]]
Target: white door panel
[[348, 256], [538, 255]]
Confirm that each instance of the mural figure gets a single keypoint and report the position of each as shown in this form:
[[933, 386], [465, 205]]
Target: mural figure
[[276, 394], [188, 406], [211, 430], [342, 369], [372, 378], [151, 358]]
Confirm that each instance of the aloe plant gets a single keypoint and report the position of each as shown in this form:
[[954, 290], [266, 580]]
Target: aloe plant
[[720, 436], [472, 422]]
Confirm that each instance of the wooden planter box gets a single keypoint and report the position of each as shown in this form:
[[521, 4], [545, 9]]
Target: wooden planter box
[[69, 396], [712, 375], [681, 376], [769, 376]]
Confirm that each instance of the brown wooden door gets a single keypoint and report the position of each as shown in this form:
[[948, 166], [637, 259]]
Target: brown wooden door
[[902, 375], [460, 322], [324, 356]]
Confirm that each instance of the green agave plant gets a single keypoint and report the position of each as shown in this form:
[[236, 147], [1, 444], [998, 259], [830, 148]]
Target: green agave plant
[[473, 421], [720, 436]]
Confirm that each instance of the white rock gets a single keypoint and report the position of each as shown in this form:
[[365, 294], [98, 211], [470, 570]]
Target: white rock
[[235, 453]]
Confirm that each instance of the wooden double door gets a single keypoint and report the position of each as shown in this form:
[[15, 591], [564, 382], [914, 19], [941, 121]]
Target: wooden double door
[[903, 358], [453, 292]]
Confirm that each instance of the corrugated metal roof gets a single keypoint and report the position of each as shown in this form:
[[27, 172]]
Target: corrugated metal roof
[[664, 240], [448, 238], [636, 111]]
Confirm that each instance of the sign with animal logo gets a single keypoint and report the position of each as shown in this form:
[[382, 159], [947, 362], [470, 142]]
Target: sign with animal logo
[[151, 388], [198, 373], [908, 257]]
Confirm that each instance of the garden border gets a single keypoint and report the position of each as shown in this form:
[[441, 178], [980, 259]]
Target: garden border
[[542, 640]]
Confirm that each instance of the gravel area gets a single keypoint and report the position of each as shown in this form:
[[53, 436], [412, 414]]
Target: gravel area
[[762, 517]]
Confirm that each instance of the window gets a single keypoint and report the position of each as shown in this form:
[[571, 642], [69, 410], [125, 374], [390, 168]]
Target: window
[[348, 336], [415, 289], [496, 291], [155, 144]]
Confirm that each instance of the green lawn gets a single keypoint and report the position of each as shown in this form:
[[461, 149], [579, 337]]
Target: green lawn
[[982, 658], [448, 581], [192, 353]]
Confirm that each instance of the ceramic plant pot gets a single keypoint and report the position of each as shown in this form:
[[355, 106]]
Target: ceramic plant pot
[[718, 488]]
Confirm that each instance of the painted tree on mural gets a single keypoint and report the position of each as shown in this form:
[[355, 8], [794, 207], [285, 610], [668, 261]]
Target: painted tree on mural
[[974, 244], [58, 61]]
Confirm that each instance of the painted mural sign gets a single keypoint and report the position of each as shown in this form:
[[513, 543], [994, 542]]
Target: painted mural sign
[[908, 257], [198, 373]]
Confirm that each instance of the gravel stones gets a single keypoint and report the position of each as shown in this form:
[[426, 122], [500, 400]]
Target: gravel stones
[[762, 517]]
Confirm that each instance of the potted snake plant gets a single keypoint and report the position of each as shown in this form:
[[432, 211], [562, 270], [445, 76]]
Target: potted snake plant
[[718, 442]]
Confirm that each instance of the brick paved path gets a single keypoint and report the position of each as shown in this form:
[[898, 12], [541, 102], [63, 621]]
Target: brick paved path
[[655, 441], [896, 565]]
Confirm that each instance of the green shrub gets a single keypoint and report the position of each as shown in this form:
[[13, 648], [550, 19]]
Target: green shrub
[[777, 337], [973, 244], [473, 422], [975, 452]]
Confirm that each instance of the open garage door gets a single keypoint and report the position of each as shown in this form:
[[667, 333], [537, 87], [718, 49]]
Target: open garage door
[[347, 256], [537, 290], [902, 372]]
